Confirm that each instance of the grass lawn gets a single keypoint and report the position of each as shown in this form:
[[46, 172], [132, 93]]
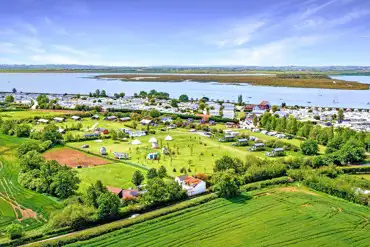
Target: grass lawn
[[12, 193], [115, 175], [33, 113], [190, 151], [365, 176], [285, 216]]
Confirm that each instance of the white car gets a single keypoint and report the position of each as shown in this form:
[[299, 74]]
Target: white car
[[134, 216]]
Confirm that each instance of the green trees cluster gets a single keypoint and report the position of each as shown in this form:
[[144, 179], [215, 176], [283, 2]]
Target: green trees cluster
[[45, 103], [153, 94], [10, 127], [310, 147], [9, 99], [98, 94], [45, 176], [183, 98]]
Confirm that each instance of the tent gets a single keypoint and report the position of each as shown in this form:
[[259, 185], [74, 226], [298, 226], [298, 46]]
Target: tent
[[168, 138], [153, 139], [136, 142]]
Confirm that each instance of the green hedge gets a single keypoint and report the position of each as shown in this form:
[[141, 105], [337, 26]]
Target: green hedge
[[265, 183], [110, 227], [356, 170]]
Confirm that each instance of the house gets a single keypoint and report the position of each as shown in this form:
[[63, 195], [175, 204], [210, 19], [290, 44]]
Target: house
[[193, 186], [129, 194], [264, 105], [257, 146], [76, 118], [124, 119], [121, 156], [59, 119], [166, 120], [116, 191], [275, 152], [92, 135], [44, 121], [111, 118], [102, 130], [146, 121]]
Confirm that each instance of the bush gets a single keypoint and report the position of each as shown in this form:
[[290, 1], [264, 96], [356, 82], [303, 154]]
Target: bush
[[15, 231], [270, 170], [265, 183], [309, 147]]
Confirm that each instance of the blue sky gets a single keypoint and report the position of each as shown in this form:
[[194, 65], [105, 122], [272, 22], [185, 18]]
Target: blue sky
[[185, 32]]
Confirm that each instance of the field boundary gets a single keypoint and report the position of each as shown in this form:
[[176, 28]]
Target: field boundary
[[111, 159]]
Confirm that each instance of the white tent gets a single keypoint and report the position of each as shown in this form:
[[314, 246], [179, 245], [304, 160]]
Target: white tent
[[153, 140], [168, 138], [136, 142]]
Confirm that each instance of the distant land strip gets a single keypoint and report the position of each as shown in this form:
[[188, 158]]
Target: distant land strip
[[284, 80]]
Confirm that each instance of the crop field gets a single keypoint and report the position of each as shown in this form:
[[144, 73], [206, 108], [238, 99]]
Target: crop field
[[18, 204], [73, 158], [285, 216], [33, 113], [116, 175]]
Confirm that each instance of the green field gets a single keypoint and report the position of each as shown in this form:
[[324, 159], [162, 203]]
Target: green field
[[115, 175], [288, 216], [11, 192], [32, 113]]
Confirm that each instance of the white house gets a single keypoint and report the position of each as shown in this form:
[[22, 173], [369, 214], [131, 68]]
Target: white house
[[193, 186]]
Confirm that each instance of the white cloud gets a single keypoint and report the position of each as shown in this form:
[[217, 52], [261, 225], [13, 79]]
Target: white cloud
[[274, 53], [54, 59], [315, 9], [8, 48], [54, 27], [73, 51], [241, 33]]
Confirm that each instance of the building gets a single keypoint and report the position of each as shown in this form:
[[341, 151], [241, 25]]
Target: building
[[146, 121], [59, 119], [193, 186], [111, 118], [124, 119], [44, 121], [76, 118]]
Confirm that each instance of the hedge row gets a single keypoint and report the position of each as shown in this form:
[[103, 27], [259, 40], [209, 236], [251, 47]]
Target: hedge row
[[116, 225], [356, 170], [265, 183]]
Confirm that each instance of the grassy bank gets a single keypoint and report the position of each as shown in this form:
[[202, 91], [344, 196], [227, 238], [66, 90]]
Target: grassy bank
[[270, 80]]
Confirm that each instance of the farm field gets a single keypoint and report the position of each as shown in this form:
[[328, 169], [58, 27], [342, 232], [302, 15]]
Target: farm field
[[116, 175], [18, 204], [33, 113], [73, 158], [285, 216]]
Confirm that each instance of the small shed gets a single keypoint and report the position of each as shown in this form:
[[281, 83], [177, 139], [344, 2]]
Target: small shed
[[168, 138], [103, 151], [153, 139], [136, 142]]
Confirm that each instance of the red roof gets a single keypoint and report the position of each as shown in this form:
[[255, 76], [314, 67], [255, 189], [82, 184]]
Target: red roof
[[129, 194], [191, 181], [264, 103], [114, 190]]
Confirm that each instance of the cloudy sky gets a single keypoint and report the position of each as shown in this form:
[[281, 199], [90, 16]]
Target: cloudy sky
[[185, 32]]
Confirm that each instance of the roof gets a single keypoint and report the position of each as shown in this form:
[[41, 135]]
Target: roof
[[126, 194], [114, 190], [182, 177], [191, 181], [264, 103]]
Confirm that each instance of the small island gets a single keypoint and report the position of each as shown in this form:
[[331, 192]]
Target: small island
[[278, 80]]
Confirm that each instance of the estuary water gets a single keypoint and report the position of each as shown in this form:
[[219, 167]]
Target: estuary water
[[82, 83]]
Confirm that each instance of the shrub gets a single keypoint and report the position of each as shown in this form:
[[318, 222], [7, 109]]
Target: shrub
[[309, 147], [15, 231], [265, 183]]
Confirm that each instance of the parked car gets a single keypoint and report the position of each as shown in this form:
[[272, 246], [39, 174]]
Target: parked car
[[85, 146]]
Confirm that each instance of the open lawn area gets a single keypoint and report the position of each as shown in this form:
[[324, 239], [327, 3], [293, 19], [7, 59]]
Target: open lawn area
[[189, 150], [365, 176], [18, 204], [116, 175], [34, 113], [283, 216]]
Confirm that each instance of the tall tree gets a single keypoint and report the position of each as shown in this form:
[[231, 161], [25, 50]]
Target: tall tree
[[137, 178]]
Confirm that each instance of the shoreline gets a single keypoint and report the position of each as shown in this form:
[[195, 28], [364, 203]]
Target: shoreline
[[272, 81]]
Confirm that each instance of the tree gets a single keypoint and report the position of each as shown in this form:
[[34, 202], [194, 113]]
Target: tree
[[51, 133], [65, 183], [183, 98], [14, 90], [97, 93], [137, 178], [154, 113], [15, 230], [202, 106], [309, 147], [22, 130], [27, 146], [152, 173], [226, 162], [174, 103], [109, 204], [31, 160], [255, 121], [340, 115], [353, 151], [103, 93], [274, 108], [162, 172], [7, 126], [9, 99], [240, 99], [93, 192], [226, 184]]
